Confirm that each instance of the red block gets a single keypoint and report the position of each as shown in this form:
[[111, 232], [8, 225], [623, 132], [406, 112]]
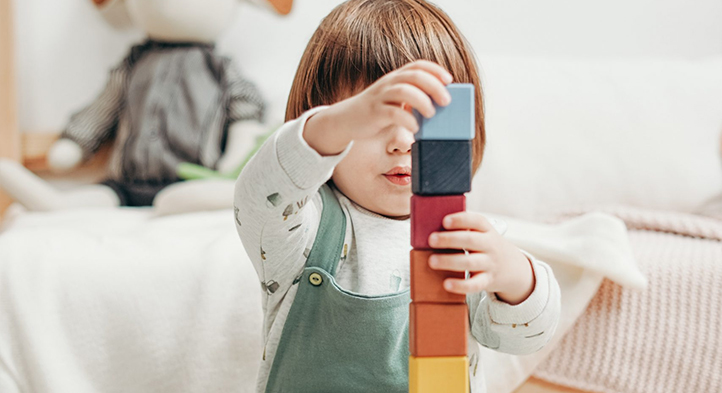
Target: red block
[[427, 214], [427, 284], [438, 329]]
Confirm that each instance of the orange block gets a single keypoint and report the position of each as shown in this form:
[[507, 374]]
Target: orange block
[[427, 284], [438, 329]]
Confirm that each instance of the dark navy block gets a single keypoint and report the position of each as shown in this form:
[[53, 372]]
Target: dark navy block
[[441, 167], [452, 122]]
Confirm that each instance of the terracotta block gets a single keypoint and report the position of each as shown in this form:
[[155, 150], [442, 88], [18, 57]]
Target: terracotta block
[[440, 167], [427, 284], [441, 374], [427, 214], [438, 329]]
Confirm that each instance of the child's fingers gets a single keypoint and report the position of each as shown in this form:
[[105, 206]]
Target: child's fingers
[[398, 116], [425, 81], [458, 240], [401, 93], [476, 283], [467, 220], [429, 66], [460, 262]]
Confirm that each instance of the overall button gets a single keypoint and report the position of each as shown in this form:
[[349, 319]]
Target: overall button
[[315, 279]]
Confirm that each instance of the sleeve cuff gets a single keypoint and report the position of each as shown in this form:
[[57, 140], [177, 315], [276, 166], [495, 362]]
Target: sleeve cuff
[[528, 310], [303, 165]]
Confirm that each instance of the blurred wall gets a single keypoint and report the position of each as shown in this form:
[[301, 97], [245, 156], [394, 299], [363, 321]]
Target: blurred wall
[[65, 49]]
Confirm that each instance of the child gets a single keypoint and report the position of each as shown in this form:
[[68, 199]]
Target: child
[[323, 209]]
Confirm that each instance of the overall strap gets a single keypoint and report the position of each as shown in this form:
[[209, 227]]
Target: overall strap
[[327, 246]]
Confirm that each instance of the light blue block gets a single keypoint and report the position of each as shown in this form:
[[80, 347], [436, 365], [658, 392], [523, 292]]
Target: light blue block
[[452, 122]]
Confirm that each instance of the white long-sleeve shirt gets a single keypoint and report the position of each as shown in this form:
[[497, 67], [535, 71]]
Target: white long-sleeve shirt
[[278, 209]]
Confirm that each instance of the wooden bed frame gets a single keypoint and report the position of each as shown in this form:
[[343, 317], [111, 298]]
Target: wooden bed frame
[[536, 385], [30, 148], [9, 134]]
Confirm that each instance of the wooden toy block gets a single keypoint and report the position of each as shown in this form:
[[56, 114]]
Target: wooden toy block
[[440, 374], [440, 167], [427, 284], [427, 214], [452, 122], [438, 329]]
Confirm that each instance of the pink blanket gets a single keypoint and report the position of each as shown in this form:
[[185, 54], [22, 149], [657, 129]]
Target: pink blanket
[[667, 338]]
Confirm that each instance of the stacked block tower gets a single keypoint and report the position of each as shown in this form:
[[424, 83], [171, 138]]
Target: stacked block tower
[[441, 174]]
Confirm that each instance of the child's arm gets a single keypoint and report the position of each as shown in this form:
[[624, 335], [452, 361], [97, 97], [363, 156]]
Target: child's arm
[[513, 299], [277, 207], [517, 329], [379, 106], [276, 204]]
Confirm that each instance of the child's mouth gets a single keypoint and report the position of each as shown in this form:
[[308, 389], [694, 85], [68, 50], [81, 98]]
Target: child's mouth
[[400, 176]]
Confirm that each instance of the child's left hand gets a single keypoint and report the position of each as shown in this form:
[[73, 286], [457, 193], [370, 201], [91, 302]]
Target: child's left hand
[[495, 264]]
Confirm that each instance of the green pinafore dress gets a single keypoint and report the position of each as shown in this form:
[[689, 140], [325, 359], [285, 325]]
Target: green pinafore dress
[[335, 340]]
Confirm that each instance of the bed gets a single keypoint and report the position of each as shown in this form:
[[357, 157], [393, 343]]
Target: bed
[[125, 300]]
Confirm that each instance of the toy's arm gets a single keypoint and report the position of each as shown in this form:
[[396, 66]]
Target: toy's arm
[[242, 136], [245, 114], [93, 125], [245, 101], [188, 171], [64, 155]]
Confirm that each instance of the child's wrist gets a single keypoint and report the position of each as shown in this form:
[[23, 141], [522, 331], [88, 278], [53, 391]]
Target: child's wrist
[[324, 134], [523, 288]]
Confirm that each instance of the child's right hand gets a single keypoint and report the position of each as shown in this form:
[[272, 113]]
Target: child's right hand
[[383, 104]]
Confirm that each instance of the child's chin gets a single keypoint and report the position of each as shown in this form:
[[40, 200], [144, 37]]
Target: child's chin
[[400, 207], [396, 215]]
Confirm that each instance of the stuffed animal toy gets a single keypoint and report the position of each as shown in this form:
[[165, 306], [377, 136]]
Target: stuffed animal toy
[[172, 100]]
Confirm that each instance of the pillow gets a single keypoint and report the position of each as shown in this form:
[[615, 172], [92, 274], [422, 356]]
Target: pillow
[[571, 133]]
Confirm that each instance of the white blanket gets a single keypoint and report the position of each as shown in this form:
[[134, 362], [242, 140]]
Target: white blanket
[[581, 251], [121, 301]]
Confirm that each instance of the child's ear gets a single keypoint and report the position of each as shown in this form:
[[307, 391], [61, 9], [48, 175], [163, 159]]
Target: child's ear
[[283, 7]]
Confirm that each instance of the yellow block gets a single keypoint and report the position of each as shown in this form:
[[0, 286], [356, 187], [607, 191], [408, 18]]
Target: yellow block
[[436, 375]]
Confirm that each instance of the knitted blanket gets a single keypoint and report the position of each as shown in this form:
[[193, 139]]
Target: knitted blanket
[[667, 338]]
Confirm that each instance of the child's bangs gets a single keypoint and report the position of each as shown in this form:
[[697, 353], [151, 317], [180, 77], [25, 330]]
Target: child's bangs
[[362, 40], [379, 37]]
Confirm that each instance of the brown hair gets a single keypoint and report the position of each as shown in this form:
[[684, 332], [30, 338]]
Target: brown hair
[[361, 40]]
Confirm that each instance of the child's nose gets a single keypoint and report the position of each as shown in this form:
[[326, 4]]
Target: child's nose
[[400, 141]]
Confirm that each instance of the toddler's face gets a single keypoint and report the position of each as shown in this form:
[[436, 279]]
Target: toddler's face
[[376, 173]]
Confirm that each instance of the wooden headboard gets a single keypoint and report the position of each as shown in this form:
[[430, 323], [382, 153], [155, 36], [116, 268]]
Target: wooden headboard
[[29, 148], [9, 134]]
